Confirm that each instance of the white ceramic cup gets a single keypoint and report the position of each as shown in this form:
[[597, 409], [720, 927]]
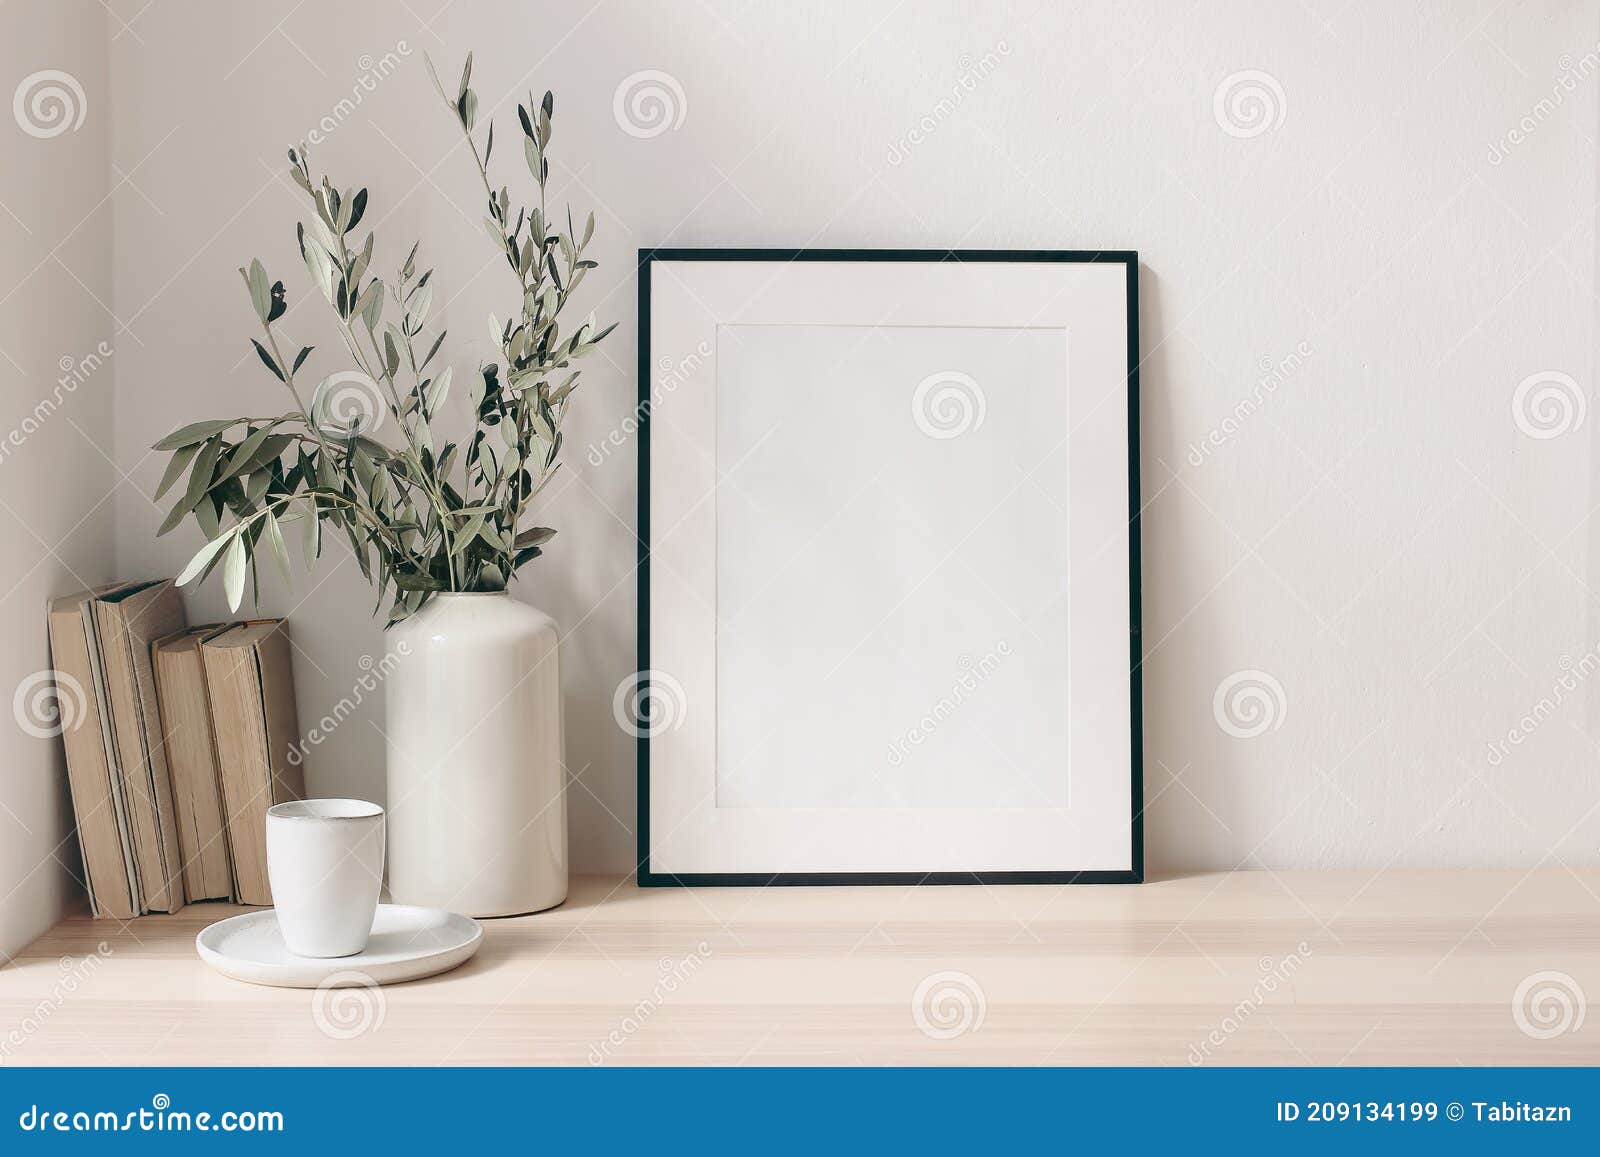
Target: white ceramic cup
[[325, 860]]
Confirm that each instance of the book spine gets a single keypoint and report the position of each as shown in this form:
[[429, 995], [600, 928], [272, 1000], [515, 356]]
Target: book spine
[[233, 686], [133, 758], [112, 755], [88, 777]]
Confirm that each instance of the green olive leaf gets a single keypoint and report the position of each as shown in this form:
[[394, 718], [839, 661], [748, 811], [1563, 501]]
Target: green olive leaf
[[194, 433], [260, 290], [203, 556], [233, 571], [280, 552], [175, 466]]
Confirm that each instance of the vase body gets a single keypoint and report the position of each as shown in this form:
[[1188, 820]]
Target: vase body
[[477, 805]]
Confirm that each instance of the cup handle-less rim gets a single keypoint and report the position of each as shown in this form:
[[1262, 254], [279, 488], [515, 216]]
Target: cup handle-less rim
[[325, 809]]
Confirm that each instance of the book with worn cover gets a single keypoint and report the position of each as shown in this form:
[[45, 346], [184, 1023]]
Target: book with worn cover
[[250, 686], [128, 621], [97, 807], [190, 741]]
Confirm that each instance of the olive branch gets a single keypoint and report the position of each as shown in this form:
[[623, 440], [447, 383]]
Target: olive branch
[[421, 513]]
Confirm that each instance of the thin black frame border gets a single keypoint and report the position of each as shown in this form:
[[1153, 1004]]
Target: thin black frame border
[[1135, 875]]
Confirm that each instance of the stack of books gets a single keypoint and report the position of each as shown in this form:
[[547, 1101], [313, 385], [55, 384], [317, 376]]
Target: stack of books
[[181, 749]]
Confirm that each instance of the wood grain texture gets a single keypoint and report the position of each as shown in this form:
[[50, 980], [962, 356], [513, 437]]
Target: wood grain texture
[[1243, 968]]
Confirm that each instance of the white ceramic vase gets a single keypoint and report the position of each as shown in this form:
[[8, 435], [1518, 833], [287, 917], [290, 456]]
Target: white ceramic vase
[[477, 805]]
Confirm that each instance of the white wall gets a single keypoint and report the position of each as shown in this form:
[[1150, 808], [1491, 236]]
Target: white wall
[[56, 476], [1378, 536]]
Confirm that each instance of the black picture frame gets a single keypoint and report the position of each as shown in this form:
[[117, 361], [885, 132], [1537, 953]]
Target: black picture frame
[[648, 878]]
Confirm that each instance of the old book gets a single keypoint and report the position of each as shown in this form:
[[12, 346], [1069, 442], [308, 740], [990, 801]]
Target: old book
[[108, 741], [251, 689], [129, 620], [190, 742], [91, 764]]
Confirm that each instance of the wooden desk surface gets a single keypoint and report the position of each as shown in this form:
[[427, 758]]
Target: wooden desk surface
[[1402, 967]]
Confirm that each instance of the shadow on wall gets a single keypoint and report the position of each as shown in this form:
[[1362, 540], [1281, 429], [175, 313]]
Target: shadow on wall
[[1592, 533], [1170, 691]]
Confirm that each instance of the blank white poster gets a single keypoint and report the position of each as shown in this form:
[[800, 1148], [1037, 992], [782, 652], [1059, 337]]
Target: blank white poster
[[892, 561]]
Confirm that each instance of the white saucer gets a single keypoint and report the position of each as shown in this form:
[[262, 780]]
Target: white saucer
[[407, 944]]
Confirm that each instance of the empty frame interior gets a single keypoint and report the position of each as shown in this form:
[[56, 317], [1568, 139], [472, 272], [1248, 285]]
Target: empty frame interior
[[892, 567]]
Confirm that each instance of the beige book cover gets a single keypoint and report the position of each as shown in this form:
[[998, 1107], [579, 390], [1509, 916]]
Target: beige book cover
[[113, 890], [190, 741], [129, 621], [250, 684], [108, 742]]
